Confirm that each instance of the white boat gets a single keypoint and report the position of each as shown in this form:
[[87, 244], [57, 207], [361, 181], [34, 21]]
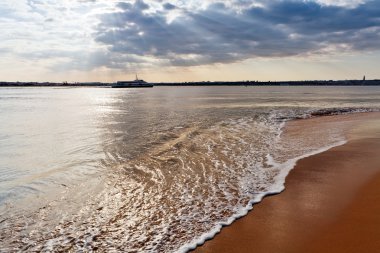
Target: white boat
[[137, 83]]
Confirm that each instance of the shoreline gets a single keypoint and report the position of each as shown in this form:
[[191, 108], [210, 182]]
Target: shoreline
[[318, 191], [289, 166], [253, 83]]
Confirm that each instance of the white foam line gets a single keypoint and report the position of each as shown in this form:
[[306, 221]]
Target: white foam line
[[285, 168]]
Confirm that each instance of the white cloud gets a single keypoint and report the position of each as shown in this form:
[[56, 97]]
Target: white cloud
[[49, 26], [74, 34], [349, 3]]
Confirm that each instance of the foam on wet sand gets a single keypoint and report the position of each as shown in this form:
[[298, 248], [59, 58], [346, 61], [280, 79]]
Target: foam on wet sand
[[318, 211]]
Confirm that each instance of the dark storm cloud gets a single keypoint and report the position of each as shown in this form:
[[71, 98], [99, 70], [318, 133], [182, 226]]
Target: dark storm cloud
[[309, 17], [220, 34], [169, 6]]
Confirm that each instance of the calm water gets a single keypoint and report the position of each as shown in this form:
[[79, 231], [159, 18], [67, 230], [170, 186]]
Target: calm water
[[149, 169]]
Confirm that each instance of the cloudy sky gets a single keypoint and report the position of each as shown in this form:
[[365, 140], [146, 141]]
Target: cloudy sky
[[189, 40]]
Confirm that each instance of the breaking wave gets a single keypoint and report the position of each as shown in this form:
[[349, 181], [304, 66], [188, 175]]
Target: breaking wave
[[191, 181]]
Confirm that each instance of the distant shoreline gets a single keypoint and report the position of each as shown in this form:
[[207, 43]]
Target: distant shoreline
[[375, 82]]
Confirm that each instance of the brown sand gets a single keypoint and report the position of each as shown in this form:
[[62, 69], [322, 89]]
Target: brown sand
[[331, 203]]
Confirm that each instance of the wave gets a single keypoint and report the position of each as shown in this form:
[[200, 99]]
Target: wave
[[276, 189], [313, 113], [284, 168], [189, 182]]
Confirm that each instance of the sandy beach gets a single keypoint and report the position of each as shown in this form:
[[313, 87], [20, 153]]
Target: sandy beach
[[331, 202]]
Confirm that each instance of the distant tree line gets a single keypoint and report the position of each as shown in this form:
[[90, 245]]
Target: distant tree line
[[206, 83]]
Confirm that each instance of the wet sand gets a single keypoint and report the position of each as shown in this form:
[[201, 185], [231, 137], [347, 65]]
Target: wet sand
[[331, 202]]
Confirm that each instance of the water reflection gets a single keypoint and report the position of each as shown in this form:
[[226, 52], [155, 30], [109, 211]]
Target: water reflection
[[53, 136], [104, 158]]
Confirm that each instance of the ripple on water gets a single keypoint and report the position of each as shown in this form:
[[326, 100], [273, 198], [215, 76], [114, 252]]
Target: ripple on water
[[191, 181]]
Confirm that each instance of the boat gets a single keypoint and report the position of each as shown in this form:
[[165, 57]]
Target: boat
[[137, 83]]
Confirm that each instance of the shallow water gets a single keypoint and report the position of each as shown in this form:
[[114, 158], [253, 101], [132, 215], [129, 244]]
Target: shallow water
[[150, 169]]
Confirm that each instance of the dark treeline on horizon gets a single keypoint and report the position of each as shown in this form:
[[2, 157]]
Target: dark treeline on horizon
[[375, 82]]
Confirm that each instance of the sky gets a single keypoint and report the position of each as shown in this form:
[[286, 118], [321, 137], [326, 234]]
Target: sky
[[189, 40]]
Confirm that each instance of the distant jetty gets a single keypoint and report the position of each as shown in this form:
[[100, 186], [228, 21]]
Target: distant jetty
[[364, 82]]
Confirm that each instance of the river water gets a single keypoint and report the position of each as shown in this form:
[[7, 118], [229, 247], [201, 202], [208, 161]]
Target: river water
[[150, 170]]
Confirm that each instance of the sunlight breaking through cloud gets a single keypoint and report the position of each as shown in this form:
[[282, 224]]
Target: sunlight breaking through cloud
[[90, 34]]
